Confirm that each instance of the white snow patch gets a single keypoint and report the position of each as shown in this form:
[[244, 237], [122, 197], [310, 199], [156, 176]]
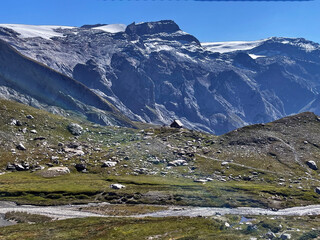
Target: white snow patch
[[30, 31], [253, 56], [112, 28], [223, 47]]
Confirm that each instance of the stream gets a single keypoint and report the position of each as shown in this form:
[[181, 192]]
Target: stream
[[74, 211]]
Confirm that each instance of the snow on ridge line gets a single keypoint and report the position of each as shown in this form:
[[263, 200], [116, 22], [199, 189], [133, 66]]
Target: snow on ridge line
[[112, 28], [223, 47], [30, 31]]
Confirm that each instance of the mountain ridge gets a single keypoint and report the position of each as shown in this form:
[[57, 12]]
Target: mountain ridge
[[154, 72]]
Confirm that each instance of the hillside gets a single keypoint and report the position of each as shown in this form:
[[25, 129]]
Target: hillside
[[260, 165]]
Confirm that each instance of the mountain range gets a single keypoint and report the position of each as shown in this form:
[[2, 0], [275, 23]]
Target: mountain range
[[154, 72]]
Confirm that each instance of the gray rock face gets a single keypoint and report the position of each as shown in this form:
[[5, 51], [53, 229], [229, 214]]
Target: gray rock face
[[75, 129], [312, 165], [154, 72]]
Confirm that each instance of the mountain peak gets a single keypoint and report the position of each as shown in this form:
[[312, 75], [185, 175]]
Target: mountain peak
[[167, 26]]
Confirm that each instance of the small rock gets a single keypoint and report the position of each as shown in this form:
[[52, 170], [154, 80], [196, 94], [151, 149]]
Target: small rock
[[20, 146], [227, 224], [117, 186], [75, 129], [317, 190], [200, 180], [312, 165], [29, 117], [224, 163], [285, 236], [179, 162], [33, 131], [109, 164], [270, 235]]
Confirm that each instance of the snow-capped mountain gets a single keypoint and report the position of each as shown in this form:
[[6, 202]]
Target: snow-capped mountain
[[154, 72]]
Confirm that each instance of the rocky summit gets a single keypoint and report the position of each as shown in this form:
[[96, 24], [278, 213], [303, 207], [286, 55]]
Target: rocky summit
[[154, 72]]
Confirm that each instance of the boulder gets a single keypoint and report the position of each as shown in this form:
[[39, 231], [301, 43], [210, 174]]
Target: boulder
[[19, 167], [20, 146], [80, 167], [10, 167], [117, 186], [179, 162], [312, 165], [75, 129], [285, 236], [60, 170], [109, 164]]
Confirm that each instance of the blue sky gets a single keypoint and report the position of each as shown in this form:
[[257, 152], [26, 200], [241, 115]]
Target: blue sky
[[208, 21]]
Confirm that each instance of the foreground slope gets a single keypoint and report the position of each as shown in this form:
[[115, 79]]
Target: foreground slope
[[254, 166]]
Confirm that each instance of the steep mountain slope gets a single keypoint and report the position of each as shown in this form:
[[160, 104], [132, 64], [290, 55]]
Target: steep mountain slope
[[46, 87], [154, 72]]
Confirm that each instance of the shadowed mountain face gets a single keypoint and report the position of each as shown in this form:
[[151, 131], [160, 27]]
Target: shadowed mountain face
[[47, 87], [154, 72]]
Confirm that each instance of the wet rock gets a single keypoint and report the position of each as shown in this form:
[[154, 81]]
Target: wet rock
[[312, 165], [109, 164], [179, 162], [117, 186], [75, 129], [20, 146]]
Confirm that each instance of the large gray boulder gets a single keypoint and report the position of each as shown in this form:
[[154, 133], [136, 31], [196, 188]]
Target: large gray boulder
[[75, 129], [312, 165]]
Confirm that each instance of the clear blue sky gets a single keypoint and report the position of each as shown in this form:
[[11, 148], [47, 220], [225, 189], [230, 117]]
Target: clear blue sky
[[208, 21]]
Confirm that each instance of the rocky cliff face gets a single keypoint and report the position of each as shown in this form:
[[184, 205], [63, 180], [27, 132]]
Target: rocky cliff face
[[154, 72]]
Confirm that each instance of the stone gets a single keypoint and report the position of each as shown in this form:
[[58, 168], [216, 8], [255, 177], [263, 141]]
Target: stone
[[109, 164], [33, 131], [117, 186], [80, 167], [285, 236], [312, 165], [10, 167], [20, 146], [179, 162], [317, 190], [270, 235], [75, 129], [200, 180], [29, 117], [63, 170], [19, 167], [224, 163]]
